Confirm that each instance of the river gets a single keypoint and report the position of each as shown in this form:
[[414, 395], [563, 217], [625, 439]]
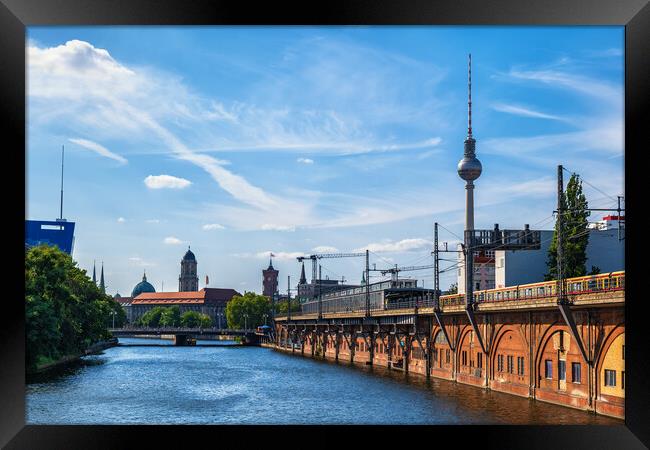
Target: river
[[254, 385]]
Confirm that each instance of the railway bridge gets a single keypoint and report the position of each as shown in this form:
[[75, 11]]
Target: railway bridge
[[519, 340], [182, 335]]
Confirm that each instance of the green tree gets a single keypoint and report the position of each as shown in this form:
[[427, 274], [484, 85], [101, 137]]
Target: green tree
[[170, 317], [253, 305], [152, 317], [65, 311], [453, 289], [205, 321], [575, 235], [281, 307], [191, 319]]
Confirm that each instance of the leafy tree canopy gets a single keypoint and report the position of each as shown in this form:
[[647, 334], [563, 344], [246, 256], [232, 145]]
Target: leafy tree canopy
[[251, 304], [575, 235], [65, 311]]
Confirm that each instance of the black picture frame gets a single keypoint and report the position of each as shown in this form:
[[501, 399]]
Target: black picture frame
[[15, 15]]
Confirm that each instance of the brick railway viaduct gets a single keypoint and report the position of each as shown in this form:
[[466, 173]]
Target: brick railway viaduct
[[530, 350]]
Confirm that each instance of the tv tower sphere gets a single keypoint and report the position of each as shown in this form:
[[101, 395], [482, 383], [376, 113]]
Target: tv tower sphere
[[469, 168]]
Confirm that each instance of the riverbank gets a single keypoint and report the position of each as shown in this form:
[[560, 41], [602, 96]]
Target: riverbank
[[68, 359]]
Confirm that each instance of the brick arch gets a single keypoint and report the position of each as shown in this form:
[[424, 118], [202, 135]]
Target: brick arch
[[472, 358], [573, 355], [602, 353], [546, 335], [518, 348]]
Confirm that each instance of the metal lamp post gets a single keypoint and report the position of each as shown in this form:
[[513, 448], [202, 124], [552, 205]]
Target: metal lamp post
[[245, 321]]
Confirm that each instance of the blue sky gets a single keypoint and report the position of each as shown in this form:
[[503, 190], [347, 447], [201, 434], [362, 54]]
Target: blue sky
[[239, 141]]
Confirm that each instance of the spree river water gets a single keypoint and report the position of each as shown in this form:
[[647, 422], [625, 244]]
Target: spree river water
[[254, 385]]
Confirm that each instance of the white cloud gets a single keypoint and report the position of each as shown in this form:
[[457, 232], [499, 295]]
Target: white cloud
[[274, 227], [405, 245], [99, 149], [523, 111], [213, 226], [325, 249], [166, 182], [153, 221], [121, 219], [305, 160], [280, 256], [171, 240]]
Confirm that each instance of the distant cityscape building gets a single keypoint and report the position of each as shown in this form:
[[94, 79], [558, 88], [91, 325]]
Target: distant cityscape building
[[59, 233], [210, 301], [143, 286], [484, 271], [270, 280], [188, 281], [604, 251]]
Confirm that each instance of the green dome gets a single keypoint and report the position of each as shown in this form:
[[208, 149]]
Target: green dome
[[143, 286]]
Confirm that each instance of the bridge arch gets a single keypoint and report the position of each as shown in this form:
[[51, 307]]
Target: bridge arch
[[510, 360], [611, 357], [442, 358], [471, 359], [560, 367]]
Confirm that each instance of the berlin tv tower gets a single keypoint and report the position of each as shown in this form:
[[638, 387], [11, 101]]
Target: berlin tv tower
[[469, 168]]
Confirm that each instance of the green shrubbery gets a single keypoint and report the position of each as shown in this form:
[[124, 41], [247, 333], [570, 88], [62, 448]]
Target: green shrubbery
[[65, 312]]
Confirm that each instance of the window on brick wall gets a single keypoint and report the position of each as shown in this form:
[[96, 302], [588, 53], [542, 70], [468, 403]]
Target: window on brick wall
[[576, 376], [548, 369], [479, 360], [448, 356], [623, 380], [610, 377], [499, 363], [464, 358], [561, 370], [511, 364], [520, 365]]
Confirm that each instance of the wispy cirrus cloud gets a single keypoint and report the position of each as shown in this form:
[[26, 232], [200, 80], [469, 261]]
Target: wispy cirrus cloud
[[172, 240], [523, 111], [405, 245], [99, 149]]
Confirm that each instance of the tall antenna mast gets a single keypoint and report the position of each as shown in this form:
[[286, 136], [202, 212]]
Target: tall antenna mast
[[469, 98], [61, 210]]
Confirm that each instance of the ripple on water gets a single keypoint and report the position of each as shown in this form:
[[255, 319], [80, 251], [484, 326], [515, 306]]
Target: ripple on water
[[204, 385]]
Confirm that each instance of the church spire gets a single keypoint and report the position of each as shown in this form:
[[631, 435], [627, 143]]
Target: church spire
[[144, 275], [303, 278], [94, 274], [102, 287]]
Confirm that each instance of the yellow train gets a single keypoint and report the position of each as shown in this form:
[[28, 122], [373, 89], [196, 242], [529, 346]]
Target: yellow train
[[611, 281]]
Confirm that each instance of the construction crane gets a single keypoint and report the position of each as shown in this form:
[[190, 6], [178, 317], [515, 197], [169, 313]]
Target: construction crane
[[394, 272], [325, 255], [318, 256]]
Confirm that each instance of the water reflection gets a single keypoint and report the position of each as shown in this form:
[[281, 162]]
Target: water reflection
[[206, 385]]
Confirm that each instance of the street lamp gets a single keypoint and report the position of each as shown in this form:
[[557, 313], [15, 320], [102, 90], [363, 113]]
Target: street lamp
[[245, 321], [113, 314], [219, 314], [265, 316]]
